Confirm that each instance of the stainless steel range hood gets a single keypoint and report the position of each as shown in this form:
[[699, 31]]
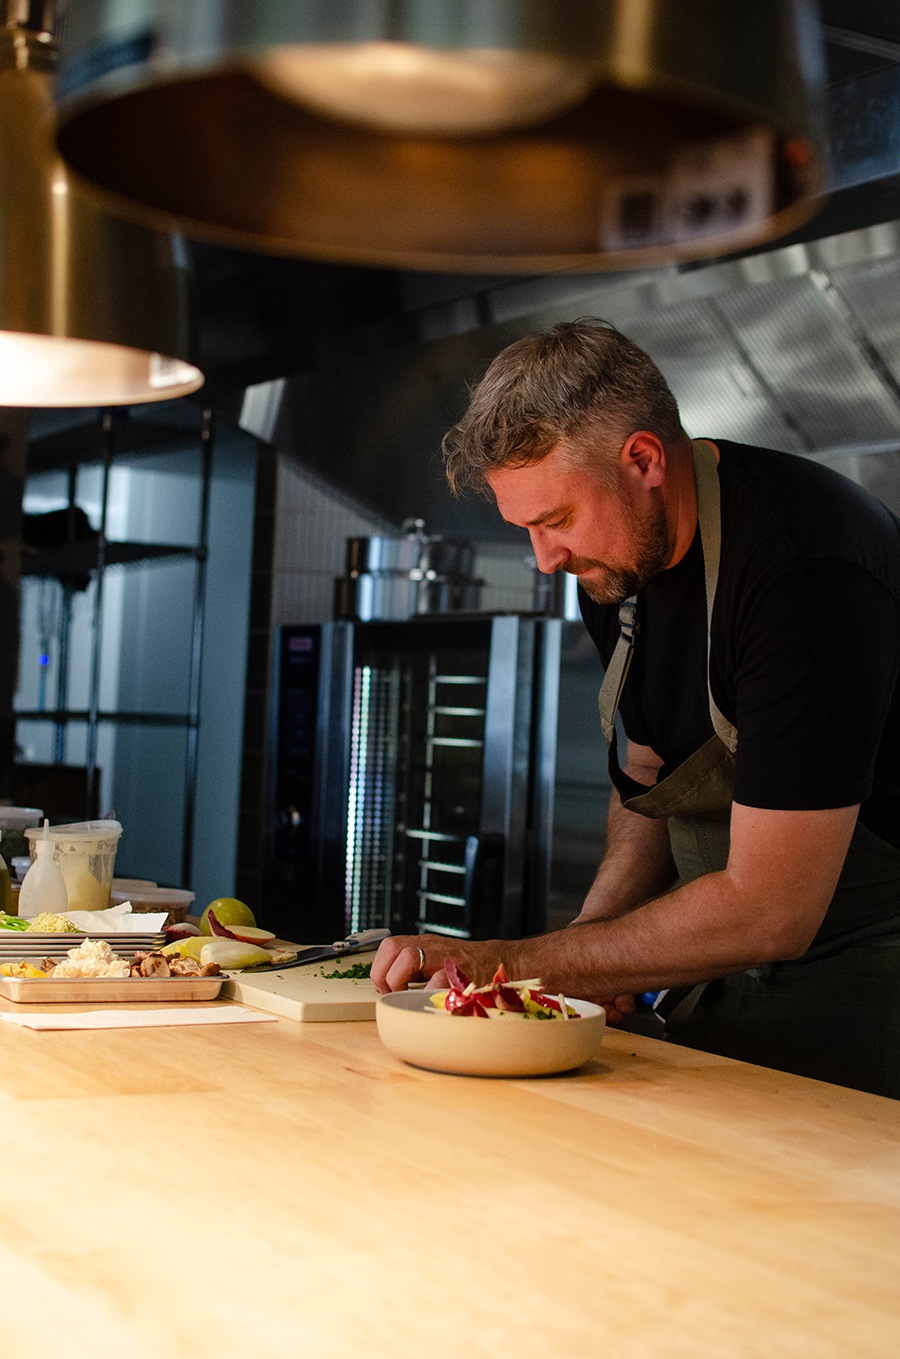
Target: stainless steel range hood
[[519, 135], [797, 348], [355, 373], [796, 345]]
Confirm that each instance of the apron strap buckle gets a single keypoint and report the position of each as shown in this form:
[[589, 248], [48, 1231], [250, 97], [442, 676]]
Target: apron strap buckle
[[628, 619]]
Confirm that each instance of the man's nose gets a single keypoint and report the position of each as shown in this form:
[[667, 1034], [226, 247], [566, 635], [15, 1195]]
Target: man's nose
[[548, 554]]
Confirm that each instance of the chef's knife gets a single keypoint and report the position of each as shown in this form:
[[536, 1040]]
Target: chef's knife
[[359, 942]]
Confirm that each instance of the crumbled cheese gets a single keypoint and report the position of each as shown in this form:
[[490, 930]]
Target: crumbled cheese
[[92, 958]]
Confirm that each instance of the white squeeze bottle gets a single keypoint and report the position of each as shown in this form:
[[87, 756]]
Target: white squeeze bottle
[[43, 886]]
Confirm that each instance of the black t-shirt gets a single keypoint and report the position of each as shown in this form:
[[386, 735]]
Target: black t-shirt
[[805, 642]]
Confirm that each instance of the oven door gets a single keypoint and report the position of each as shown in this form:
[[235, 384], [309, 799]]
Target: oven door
[[438, 787]]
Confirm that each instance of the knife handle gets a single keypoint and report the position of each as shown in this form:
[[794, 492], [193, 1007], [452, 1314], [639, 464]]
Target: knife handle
[[361, 939]]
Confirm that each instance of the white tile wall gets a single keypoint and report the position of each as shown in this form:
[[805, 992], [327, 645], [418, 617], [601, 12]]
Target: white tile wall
[[508, 573], [312, 525]]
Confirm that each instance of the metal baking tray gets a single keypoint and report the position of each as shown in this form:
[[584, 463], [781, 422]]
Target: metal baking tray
[[91, 990]]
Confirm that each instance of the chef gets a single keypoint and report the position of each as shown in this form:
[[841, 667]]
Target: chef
[[746, 607]]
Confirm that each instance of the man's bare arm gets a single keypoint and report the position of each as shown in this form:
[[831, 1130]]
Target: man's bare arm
[[767, 904], [637, 863]]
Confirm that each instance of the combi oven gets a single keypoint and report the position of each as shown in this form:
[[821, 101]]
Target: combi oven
[[412, 770]]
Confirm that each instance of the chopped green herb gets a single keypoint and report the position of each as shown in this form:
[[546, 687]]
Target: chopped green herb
[[12, 922], [358, 971]]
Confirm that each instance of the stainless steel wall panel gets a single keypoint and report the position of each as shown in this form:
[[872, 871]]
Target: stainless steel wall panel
[[717, 391], [813, 363], [873, 291]]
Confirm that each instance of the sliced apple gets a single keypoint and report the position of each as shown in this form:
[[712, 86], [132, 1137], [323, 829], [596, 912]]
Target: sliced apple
[[251, 934], [181, 930], [248, 934], [217, 929]]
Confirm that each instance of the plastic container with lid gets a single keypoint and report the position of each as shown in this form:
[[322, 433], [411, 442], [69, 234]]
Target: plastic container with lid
[[127, 885], [151, 899], [86, 853]]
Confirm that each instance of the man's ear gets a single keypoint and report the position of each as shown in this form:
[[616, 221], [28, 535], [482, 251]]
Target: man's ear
[[643, 458]]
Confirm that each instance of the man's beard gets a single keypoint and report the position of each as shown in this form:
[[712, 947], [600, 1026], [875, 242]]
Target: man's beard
[[653, 552]]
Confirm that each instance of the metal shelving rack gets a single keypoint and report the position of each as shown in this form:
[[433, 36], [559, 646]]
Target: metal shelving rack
[[102, 441]]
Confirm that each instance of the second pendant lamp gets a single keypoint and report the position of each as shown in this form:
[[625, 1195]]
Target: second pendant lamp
[[93, 309]]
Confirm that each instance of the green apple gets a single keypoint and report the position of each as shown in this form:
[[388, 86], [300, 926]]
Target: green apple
[[228, 911]]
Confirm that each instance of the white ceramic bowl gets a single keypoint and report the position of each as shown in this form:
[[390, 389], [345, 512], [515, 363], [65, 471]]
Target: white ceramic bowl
[[412, 1029]]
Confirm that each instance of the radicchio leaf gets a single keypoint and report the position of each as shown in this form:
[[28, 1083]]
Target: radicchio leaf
[[457, 979], [215, 924], [548, 1002], [458, 1004], [508, 998]]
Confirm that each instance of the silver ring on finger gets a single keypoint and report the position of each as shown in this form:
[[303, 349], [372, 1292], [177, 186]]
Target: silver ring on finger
[[421, 953]]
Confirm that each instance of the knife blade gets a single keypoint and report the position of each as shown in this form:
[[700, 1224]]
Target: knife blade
[[358, 942]]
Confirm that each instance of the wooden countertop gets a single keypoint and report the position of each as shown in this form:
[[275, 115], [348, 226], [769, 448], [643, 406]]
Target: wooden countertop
[[292, 1190]]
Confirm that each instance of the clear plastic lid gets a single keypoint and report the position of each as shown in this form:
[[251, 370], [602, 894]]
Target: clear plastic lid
[[79, 830]]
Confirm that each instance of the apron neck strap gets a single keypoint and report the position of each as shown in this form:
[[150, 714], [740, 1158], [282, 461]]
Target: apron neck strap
[[709, 516], [617, 670], [706, 473]]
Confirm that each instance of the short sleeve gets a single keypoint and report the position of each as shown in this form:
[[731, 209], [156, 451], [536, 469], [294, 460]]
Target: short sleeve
[[816, 658]]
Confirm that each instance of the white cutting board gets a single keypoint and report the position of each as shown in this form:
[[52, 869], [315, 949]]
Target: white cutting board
[[304, 993]]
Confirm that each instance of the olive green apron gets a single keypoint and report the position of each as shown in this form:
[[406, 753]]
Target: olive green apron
[[834, 1013]]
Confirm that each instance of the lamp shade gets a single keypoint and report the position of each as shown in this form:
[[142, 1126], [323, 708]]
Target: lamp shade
[[520, 135], [92, 309]]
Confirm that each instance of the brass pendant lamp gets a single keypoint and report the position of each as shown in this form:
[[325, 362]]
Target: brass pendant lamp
[[515, 135], [91, 307]]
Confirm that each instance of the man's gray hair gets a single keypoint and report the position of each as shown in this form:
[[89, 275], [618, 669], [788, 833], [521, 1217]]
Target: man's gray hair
[[581, 384]]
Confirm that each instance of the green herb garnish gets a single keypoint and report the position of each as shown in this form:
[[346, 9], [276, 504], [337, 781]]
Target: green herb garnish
[[12, 922], [357, 972]]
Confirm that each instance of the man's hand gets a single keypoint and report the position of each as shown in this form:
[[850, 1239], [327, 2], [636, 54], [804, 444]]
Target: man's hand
[[405, 958], [618, 1008], [399, 961]]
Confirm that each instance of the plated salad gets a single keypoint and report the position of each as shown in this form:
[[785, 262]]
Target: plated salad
[[499, 999]]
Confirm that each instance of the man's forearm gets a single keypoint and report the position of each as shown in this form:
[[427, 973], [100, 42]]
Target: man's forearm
[[694, 933], [636, 866], [767, 904]]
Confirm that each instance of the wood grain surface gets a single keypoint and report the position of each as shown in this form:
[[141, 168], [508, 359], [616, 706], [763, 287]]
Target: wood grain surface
[[291, 1189]]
